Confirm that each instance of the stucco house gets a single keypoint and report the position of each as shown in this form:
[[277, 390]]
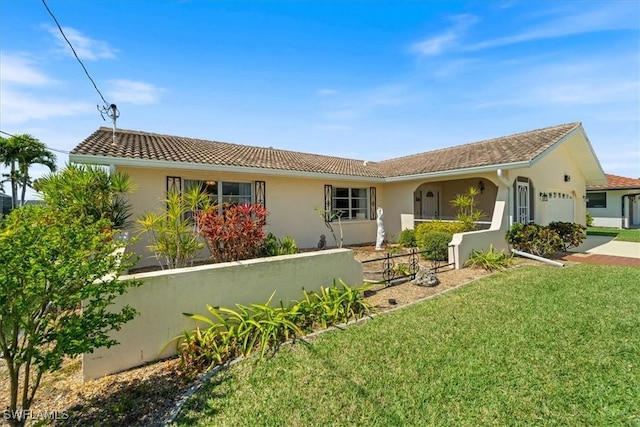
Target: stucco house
[[616, 203], [538, 176]]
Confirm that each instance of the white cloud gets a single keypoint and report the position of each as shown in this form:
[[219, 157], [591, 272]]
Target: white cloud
[[20, 70], [134, 92], [86, 47], [614, 16], [447, 39], [326, 92], [363, 103], [21, 107]]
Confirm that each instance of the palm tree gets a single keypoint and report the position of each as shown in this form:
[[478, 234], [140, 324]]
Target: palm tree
[[19, 153]]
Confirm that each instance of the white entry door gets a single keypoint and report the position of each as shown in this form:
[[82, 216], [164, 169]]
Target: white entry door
[[430, 203], [522, 202]]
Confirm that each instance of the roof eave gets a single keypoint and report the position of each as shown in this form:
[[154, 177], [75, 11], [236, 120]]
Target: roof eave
[[148, 163], [453, 172]]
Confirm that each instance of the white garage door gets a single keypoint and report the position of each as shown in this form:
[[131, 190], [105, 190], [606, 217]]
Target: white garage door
[[560, 207]]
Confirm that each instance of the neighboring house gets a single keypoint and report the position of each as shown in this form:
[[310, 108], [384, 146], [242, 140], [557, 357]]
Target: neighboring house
[[616, 203], [538, 176], [6, 202]]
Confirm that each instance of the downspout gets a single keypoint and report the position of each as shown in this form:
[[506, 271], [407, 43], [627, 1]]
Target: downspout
[[538, 258], [622, 200], [506, 183]]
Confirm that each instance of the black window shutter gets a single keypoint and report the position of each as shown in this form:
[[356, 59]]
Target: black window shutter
[[174, 183], [328, 190], [372, 203], [260, 192]]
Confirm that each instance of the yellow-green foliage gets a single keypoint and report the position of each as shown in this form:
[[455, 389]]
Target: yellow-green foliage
[[426, 228]]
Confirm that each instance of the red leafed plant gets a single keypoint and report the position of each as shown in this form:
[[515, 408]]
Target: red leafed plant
[[234, 233]]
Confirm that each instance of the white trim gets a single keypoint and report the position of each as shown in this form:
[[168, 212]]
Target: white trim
[[477, 169]]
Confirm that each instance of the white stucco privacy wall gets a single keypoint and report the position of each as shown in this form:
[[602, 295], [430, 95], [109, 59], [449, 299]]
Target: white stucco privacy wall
[[165, 295]]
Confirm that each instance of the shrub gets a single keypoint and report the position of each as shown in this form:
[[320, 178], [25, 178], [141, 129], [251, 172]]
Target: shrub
[[425, 228], [540, 240], [407, 238], [490, 260], [172, 231], [235, 233], [589, 219], [571, 234], [272, 246], [534, 238], [436, 244], [468, 213], [260, 327], [51, 259]]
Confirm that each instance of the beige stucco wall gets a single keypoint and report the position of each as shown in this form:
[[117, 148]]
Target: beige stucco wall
[[290, 204], [164, 296], [547, 176]]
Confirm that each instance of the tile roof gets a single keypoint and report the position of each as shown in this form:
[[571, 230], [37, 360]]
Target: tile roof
[[519, 147], [150, 146], [616, 182]]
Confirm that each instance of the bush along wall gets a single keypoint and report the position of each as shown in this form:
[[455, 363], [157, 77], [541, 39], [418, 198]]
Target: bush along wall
[[544, 240], [258, 328]]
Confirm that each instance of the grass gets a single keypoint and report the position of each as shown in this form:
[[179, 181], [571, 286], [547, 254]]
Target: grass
[[620, 234], [532, 346]]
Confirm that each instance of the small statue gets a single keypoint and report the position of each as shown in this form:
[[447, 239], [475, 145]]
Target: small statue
[[380, 237], [322, 244]]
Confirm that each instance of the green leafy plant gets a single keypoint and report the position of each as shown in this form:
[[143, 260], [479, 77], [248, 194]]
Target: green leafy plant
[[91, 191], [408, 238], [589, 219], [436, 245], [272, 246], [490, 260], [58, 282], [172, 231], [235, 232], [260, 327], [20, 152], [534, 238], [468, 213], [571, 234]]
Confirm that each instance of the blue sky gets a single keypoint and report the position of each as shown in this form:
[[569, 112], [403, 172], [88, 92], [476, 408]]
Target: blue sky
[[365, 80]]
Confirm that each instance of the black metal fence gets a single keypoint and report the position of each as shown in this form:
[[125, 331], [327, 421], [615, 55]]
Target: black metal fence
[[391, 270]]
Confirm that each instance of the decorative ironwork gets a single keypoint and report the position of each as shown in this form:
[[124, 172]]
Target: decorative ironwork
[[414, 266], [394, 273], [388, 268]]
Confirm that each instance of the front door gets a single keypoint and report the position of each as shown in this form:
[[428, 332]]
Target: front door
[[522, 202]]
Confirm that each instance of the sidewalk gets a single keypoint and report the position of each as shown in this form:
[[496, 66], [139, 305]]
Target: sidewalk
[[606, 251]]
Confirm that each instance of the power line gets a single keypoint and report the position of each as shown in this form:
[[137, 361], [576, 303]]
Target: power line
[[26, 140], [74, 52], [111, 110]]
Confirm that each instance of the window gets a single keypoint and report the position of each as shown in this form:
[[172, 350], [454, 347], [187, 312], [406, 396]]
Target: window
[[597, 200], [223, 192], [349, 203]]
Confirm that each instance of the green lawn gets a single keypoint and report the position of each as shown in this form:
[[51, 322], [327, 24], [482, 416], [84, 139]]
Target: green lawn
[[623, 235], [532, 346]]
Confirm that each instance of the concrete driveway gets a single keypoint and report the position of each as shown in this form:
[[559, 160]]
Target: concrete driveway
[[605, 245]]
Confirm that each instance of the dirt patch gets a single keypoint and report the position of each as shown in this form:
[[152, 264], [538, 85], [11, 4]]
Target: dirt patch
[[144, 396]]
